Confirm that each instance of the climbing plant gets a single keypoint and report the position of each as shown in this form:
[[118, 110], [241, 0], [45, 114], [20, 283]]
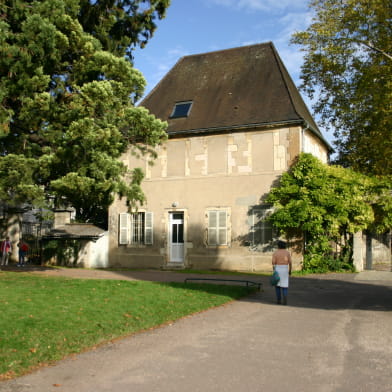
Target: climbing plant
[[324, 206]]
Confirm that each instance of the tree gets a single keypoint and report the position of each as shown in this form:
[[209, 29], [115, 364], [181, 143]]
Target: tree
[[348, 65], [67, 102], [121, 24], [324, 205]]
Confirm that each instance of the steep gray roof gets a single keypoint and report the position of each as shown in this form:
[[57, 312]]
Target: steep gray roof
[[234, 88]]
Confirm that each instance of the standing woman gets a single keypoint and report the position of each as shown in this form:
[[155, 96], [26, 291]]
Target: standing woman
[[281, 262], [23, 248], [6, 249]]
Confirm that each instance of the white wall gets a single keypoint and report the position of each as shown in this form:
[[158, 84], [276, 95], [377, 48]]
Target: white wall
[[313, 146], [99, 253]]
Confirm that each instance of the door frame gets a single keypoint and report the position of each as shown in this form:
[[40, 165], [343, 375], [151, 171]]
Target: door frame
[[171, 259]]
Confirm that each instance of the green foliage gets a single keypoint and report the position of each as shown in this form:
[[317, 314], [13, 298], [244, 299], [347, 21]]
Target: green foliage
[[67, 94], [121, 24], [318, 263], [348, 64], [64, 251], [381, 189], [16, 174], [325, 205]]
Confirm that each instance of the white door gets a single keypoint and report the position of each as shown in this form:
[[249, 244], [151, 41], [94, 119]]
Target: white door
[[176, 235]]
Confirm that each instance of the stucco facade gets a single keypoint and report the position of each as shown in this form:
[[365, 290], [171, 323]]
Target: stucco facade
[[194, 175]]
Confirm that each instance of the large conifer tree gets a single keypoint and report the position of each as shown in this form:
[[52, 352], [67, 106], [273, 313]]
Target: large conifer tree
[[67, 95]]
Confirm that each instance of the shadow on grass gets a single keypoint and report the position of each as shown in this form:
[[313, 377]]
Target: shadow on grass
[[337, 291]]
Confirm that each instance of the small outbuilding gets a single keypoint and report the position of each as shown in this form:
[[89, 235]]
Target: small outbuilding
[[75, 244]]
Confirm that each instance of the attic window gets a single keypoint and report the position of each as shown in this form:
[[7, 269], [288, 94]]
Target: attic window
[[181, 109]]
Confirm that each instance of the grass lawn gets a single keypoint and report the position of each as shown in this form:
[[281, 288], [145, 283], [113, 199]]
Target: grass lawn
[[43, 319]]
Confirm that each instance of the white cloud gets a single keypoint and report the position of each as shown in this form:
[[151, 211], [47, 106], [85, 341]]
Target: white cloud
[[280, 34], [294, 21], [261, 5]]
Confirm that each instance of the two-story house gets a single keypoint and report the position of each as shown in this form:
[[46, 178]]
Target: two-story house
[[236, 123]]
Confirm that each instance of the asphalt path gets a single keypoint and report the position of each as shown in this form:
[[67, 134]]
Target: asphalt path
[[335, 334]]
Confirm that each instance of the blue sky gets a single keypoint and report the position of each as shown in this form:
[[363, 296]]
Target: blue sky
[[198, 26]]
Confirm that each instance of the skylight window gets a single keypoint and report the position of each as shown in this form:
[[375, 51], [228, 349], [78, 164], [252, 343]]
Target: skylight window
[[181, 109]]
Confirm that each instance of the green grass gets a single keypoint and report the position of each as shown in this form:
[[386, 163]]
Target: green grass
[[44, 319]]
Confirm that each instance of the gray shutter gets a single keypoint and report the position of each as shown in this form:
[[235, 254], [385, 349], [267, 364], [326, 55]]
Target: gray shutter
[[222, 228], [123, 228], [148, 228], [212, 227]]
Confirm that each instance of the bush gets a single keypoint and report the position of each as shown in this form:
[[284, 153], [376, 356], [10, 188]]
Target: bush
[[317, 263]]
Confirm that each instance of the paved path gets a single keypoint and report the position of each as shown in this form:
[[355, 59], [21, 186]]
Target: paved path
[[334, 336]]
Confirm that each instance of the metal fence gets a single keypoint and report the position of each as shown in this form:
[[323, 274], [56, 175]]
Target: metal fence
[[32, 233], [36, 230]]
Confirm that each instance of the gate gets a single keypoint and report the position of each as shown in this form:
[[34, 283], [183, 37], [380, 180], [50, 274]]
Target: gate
[[32, 234]]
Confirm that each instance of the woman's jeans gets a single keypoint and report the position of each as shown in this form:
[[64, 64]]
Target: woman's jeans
[[278, 292]]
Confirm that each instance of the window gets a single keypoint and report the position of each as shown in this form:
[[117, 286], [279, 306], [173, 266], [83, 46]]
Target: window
[[177, 228], [261, 231], [181, 109], [217, 227], [136, 228]]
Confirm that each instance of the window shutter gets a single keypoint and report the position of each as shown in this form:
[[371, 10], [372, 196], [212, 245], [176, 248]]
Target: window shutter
[[148, 229], [123, 229], [222, 228], [217, 227], [212, 229]]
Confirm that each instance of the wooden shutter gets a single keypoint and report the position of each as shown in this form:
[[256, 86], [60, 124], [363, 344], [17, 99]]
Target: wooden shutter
[[212, 231], [222, 228], [123, 231], [217, 227], [148, 228]]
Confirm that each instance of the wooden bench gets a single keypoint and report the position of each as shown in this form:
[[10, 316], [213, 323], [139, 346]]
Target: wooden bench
[[248, 283]]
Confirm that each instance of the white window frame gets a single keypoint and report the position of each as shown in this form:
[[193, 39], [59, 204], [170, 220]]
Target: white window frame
[[218, 227], [136, 228], [173, 114]]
